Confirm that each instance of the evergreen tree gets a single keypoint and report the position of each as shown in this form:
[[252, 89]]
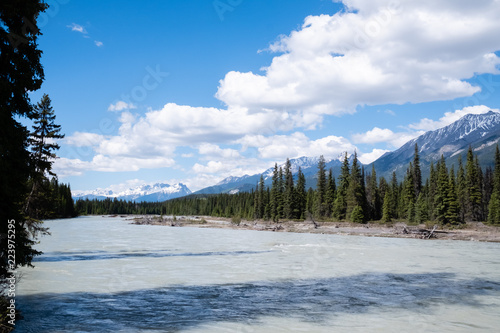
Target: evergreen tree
[[461, 190], [373, 196], [440, 200], [421, 208], [408, 202], [494, 204], [288, 195], [452, 211], [340, 205], [275, 195], [387, 207], [433, 178], [330, 193], [320, 204], [417, 173], [20, 73], [473, 189], [301, 195], [355, 195], [45, 131]]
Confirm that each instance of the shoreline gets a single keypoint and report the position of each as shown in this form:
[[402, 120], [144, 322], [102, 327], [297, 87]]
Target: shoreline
[[472, 231]]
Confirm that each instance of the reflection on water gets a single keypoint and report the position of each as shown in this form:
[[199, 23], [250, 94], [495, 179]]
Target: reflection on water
[[159, 279]]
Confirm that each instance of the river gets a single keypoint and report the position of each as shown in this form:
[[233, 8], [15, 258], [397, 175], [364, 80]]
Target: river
[[101, 274]]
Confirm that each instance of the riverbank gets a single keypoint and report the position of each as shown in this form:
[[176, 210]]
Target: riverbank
[[473, 231]]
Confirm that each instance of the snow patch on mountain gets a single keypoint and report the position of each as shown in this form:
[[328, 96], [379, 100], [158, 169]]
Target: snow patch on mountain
[[145, 192]]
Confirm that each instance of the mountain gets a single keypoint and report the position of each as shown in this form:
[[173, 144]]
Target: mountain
[[247, 183], [148, 193], [480, 131]]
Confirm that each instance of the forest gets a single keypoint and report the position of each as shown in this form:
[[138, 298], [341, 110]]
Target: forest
[[448, 197]]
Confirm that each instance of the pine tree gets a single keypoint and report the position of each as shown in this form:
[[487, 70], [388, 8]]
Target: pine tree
[[288, 195], [20, 73], [330, 193], [320, 206], [433, 177], [452, 211], [494, 204], [45, 131], [440, 200], [417, 173], [373, 196], [301, 195], [340, 205], [275, 195], [461, 190], [473, 189], [409, 195], [421, 208], [387, 207], [355, 195]]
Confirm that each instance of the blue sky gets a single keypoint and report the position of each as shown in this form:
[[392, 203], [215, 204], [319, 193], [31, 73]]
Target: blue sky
[[193, 91]]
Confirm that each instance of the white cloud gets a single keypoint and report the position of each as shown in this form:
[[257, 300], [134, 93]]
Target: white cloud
[[214, 151], [98, 43], [379, 135], [427, 124], [368, 158], [65, 167], [380, 52], [120, 106], [77, 28], [81, 139], [279, 147]]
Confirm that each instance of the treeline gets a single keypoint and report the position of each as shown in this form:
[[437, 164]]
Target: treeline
[[220, 205], [53, 200], [447, 197]]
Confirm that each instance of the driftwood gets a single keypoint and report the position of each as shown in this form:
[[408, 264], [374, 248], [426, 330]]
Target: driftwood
[[422, 233]]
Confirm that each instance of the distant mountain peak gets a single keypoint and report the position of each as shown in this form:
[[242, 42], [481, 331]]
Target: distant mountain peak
[[145, 192]]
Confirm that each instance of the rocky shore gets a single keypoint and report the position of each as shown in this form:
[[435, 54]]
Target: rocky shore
[[473, 231]]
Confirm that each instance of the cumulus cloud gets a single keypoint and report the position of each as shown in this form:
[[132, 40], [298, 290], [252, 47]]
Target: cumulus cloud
[[82, 139], [98, 43], [65, 167], [279, 147], [372, 156], [378, 52]]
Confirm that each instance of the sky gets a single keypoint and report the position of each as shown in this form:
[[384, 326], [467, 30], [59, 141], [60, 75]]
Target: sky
[[194, 91]]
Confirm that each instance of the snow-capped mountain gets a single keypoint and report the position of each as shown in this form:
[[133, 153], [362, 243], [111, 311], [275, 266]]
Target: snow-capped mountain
[[149, 193], [481, 131]]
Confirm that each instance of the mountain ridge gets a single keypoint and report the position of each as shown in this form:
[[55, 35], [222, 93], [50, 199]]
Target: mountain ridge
[[145, 192]]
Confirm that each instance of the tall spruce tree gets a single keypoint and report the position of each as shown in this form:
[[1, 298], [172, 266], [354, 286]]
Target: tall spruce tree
[[473, 189], [387, 207], [461, 190], [340, 204], [452, 213], [330, 193], [494, 204], [43, 146], [320, 205], [441, 195], [417, 173], [355, 196], [275, 195], [288, 195], [301, 195], [20, 73]]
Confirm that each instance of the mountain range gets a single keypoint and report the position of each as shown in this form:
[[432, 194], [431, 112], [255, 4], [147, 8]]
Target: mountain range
[[480, 131], [148, 193]]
